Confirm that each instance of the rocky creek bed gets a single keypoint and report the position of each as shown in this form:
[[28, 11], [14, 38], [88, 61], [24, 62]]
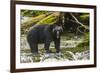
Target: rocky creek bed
[[67, 52]]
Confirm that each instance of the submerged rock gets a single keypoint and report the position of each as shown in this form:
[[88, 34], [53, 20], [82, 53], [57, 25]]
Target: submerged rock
[[54, 57], [83, 55]]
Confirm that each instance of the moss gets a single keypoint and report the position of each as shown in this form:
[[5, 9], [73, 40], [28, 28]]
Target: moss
[[86, 41], [25, 51], [84, 17], [53, 49], [76, 49], [36, 58], [25, 12], [48, 20]]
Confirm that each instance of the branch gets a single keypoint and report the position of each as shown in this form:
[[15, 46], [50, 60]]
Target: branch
[[78, 29], [86, 27]]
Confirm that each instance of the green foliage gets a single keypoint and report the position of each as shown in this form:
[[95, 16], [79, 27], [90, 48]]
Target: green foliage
[[85, 41], [76, 49], [87, 38], [31, 13], [48, 20], [87, 35], [30, 22], [84, 16]]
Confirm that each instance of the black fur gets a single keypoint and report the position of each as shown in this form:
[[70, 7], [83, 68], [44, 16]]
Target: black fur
[[44, 34]]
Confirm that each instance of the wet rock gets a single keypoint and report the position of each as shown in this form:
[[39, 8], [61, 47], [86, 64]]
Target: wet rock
[[54, 57], [83, 55]]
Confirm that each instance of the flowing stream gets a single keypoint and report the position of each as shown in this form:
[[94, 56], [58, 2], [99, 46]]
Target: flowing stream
[[67, 56]]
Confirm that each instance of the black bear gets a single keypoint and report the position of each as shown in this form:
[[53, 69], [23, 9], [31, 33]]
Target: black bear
[[44, 34]]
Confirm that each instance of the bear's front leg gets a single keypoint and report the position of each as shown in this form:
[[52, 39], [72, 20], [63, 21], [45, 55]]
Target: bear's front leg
[[57, 45]]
